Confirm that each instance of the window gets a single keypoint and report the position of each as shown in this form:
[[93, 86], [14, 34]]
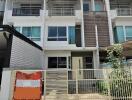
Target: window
[[88, 62], [57, 33], [32, 33], [99, 6], [119, 34], [57, 62], [18, 29], [85, 7], [71, 32], [128, 32]]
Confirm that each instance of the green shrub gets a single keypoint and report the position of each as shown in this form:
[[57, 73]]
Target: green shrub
[[102, 87]]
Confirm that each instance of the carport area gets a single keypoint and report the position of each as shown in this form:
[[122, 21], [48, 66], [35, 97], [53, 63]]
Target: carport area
[[5, 49]]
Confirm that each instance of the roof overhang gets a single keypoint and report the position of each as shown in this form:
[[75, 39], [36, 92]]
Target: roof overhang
[[127, 48], [6, 30]]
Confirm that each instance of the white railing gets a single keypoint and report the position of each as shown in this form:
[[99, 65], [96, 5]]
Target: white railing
[[86, 84], [124, 11], [61, 12]]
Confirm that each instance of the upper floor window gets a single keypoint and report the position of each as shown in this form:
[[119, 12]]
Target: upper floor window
[[128, 32], [57, 33], [99, 6], [122, 33], [33, 33], [57, 62], [18, 29], [85, 7]]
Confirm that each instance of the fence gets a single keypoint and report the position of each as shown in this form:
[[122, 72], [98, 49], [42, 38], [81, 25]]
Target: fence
[[61, 12], [87, 84]]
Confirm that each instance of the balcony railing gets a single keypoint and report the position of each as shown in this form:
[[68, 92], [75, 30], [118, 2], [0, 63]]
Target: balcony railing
[[124, 11], [26, 12], [61, 12]]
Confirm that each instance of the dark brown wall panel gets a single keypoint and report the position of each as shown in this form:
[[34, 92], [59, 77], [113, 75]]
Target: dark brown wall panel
[[89, 30], [101, 20]]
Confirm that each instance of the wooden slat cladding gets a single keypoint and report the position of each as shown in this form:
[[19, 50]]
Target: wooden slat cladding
[[89, 29], [101, 20], [103, 30]]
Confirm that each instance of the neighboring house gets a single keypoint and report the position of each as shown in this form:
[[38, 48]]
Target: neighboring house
[[17, 51]]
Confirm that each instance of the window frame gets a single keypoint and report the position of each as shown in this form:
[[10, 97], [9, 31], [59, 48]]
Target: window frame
[[58, 64], [31, 37], [126, 33], [57, 37]]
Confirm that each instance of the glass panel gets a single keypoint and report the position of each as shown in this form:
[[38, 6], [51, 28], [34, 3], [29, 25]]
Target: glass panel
[[128, 32], [99, 6], [52, 31], [62, 62], [27, 31], [71, 30], [36, 31], [85, 7], [52, 62], [119, 34], [62, 31], [18, 29]]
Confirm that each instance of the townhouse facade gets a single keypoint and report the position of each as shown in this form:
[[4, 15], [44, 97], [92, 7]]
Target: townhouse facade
[[72, 33]]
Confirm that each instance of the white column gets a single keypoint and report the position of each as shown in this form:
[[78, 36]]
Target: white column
[[5, 85], [82, 26], [96, 59], [93, 5], [96, 34], [109, 21]]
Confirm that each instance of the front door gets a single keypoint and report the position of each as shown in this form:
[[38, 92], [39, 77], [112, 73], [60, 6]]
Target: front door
[[77, 65]]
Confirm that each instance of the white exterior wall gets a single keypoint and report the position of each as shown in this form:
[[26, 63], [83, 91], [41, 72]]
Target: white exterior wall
[[5, 85], [24, 55], [123, 22], [58, 21], [26, 21]]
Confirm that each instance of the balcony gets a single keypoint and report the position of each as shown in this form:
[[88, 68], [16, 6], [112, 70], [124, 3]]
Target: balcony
[[124, 12], [61, 12], [26, 12], [121, 13]]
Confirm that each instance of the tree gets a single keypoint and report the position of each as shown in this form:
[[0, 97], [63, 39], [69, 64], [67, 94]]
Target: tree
[[120, 78]]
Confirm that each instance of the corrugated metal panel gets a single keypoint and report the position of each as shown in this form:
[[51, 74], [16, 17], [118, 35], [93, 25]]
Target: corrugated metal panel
[[24, 55]]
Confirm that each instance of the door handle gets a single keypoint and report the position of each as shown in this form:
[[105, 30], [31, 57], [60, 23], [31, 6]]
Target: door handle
[[79, 67]]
